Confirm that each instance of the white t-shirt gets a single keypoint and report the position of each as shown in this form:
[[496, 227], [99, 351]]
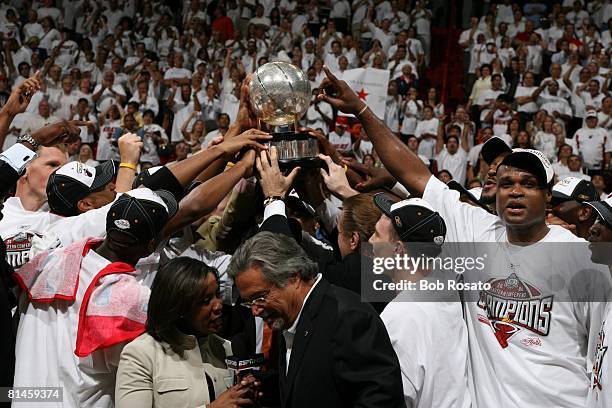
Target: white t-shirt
[[46, 340], [173, 73], [546, 143], [314, 120], [427, 146], [434, 367], [456, 163], [501, 121], [106, 151], [529, 107], [592, 144], [544, 362], [600, 391], [411, 115], [552, 103], [18, 228], [107, 98], [343, 142]]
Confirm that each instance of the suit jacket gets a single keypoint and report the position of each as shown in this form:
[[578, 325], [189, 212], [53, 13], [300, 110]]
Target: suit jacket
[[345, 273], [152, 375], [341, 355]]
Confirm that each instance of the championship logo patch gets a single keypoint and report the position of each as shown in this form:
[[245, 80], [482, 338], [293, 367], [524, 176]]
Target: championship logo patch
[[513, 305], [122, 224], [18, 248]]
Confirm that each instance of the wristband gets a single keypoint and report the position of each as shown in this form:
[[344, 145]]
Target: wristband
[[128, 165], [365, 106], [271, 199]]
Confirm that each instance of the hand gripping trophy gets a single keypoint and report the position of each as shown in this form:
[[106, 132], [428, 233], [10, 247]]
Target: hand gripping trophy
[[280, 95]]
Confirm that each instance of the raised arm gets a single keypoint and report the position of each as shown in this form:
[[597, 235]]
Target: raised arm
[[205, 198], [187, 170], [395, 155]]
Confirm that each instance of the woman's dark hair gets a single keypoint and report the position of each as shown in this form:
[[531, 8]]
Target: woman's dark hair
[[175, 291]]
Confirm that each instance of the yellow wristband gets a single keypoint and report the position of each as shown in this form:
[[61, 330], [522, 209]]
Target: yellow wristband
[[128, 166], [345, 168]]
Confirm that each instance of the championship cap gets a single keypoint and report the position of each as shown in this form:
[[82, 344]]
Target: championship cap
[[73, 182], [573, 189], [492, 148], [533, 161], [414, 219], [141, 213]]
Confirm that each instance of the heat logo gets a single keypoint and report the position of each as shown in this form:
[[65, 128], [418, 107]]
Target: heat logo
[[512, 305], [600, 353]]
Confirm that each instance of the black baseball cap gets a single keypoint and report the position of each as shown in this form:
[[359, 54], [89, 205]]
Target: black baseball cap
[[492, 148], [414, 219], [573, 189], [159, 178], [73, 182], [533, 161], [603, 208], [141, 213]]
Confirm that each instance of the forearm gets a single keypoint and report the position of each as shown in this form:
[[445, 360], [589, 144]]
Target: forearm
[[125, 178], [219, 165], [187, 170], [97, 95], [395, 155], [204, 198], [5, 121]]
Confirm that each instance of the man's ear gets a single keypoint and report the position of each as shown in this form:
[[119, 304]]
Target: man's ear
[[85, 205], [398, 248], [585, 212], [355, 241], [548, 196]]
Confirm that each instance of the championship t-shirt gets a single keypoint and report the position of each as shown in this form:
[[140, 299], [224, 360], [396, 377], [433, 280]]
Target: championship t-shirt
[[600, 391], [527, 348], [19, 227]]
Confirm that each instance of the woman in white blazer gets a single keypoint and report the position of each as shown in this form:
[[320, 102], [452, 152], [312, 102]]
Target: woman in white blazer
[[180, 361]]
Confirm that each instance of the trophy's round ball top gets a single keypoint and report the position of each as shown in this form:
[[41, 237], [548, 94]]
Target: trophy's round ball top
[[280, 93]]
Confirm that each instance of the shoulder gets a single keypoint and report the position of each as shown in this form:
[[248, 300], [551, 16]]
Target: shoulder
[[346, 302], [560, 234], [219, 346], [142, 349], [408, 316]]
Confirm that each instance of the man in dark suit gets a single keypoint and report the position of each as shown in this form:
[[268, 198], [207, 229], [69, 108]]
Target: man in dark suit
[[334, 349]]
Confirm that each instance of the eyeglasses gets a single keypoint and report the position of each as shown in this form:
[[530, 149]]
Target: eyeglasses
[[259, 301]]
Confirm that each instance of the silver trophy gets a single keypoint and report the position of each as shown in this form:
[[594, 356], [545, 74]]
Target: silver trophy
[[280, 95]]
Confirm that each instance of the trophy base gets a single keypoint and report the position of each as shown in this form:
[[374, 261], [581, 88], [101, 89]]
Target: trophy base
[[296, 149], [305, 163]]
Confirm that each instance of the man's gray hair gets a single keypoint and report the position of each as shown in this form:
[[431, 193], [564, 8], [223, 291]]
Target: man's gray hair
[[279, 257]]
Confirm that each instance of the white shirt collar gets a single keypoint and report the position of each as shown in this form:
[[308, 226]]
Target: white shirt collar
[[293, 327]]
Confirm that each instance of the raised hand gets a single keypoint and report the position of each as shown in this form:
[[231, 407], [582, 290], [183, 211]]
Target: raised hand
[[246, 118], [66, 131], [20, 97], [346, 100], [250, 138], [273, 182], [130, 148], [335, 179]]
